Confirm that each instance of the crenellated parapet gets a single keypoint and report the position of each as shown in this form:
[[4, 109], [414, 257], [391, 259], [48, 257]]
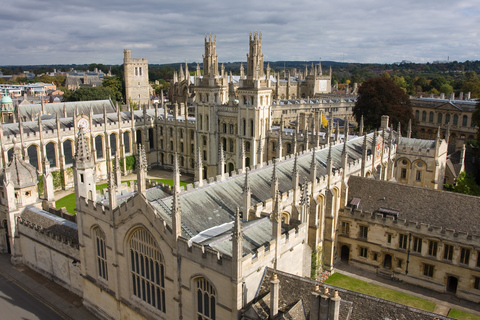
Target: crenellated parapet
[[403, 225]]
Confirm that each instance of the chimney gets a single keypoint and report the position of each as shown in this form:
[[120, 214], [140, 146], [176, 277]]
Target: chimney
[[274, 286]]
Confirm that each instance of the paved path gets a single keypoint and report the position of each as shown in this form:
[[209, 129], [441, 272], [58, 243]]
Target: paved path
[[444, 301], [26, 294]]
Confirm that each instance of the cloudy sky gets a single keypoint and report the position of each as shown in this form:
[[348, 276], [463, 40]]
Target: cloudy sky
[[97, 31]]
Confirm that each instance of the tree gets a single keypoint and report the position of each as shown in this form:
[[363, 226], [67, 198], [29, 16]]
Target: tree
[[465, 184], [88, 93], [381, 96], [116, 85]]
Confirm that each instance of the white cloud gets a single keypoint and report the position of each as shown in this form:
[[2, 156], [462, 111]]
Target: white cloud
[[54, 31]]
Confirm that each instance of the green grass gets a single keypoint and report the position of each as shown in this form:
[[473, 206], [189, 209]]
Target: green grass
[[353, 284], [458, 314], [69, 201]]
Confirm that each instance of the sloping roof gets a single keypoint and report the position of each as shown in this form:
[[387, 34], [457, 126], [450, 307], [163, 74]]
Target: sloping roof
[[50, 223], [415, 204], [352, 306], [416, 143], [32, 110], [215, 204]]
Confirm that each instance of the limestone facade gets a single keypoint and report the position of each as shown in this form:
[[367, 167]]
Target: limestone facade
[[137, 88], [453, 117]]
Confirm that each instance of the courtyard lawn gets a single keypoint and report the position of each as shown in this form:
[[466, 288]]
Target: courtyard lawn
[[462, 315], [69, 201], [353, 284]]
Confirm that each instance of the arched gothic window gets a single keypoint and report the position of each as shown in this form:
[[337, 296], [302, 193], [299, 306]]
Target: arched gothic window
[[113, 144], [99, 146], [51, 155], [100, 249], [147, 269], [67, 151], [126, 141], [206, 299], [32, 152]]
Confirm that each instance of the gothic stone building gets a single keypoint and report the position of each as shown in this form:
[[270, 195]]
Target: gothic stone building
[[201, 251]]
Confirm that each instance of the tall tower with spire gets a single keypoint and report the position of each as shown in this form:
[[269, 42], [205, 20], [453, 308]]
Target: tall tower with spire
[[210, 58], [255, 99]]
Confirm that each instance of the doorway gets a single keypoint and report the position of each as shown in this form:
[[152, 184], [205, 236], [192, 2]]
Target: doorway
[[452, 283], [387, 262], [345, 253]]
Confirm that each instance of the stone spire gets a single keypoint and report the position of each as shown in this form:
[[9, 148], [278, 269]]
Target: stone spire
[[304, 202], [176, 212], [329, 165], [360, 133], [295, 142], [274, 179], [199, 168], [247, 196], [364, 156], [117, 171], [237, 242], [82, 152], [83, 170], [260, 152], [276, 219], [295, 179], [48, 182], [399, 131], [344, 158], [313, 170], [242, 154], [141, 170], [242, 71], [112, 190], [255, 58], [221, 161]]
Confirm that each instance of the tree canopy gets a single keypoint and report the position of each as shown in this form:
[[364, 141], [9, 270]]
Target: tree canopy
[[381, 96], [116, 86], [88, 93], [465, 184]]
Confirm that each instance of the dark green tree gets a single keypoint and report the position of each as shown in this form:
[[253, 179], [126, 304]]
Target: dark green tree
[[465, 184], [88, 93], [116, 85], [381, 96]]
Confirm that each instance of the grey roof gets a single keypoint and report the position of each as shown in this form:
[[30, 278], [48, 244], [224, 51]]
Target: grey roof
[[415, 204], [97, 119], [50, 223], [215, 204], [352, 306], [32, 110], [416, 143]]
